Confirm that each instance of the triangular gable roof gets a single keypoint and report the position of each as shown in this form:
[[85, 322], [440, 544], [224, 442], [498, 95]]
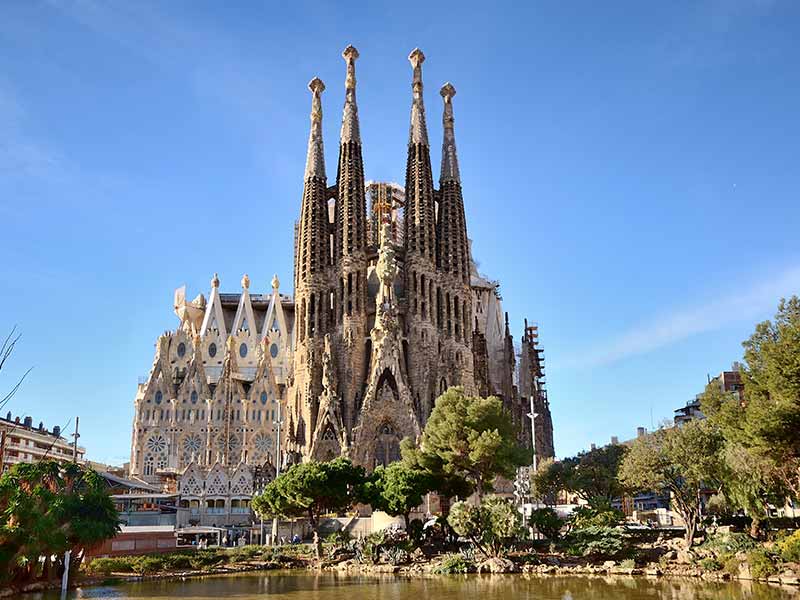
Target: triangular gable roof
[[276, 316], [245, 319], [214, 317]]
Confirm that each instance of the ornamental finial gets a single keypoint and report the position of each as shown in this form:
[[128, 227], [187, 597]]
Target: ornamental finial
[[447, 92], [316, 85], [417, 57], [215, 281], [275, 282], [245, 282]]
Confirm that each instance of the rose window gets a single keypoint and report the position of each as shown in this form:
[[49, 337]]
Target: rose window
[[192, 443], [157, 443], [262, 442]]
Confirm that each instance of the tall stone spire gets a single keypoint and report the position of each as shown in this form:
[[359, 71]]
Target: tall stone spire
[[418, 132], [449, 157], [350, 128], [420, 212], [315, 158], [351, 212], [312, 243], [452, 245]]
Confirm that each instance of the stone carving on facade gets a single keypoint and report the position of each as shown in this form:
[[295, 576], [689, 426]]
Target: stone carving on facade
[[388, 404]]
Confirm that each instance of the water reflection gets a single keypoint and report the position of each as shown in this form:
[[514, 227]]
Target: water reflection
[[333, 586]]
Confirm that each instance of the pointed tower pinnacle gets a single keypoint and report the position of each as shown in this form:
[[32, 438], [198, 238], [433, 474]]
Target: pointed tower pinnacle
[[420, 212], [449, 157], [312, 245], [315, 159], [418, 133], [350, 231], [451, 226], [350, 129]]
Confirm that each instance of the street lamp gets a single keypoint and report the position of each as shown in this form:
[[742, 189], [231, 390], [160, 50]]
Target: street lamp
[[277, 422]]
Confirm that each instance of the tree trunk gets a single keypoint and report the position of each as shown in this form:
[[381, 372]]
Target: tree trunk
[[314, 522], [755, 527], [406, 520], [691, 528]]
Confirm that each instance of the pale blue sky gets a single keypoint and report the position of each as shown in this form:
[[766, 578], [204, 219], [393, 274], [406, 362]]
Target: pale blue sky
[[630, 176]]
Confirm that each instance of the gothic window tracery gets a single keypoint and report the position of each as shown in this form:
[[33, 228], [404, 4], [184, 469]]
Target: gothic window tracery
[[157, 443]]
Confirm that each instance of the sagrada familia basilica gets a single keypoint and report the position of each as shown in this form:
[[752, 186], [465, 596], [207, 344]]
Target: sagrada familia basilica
[[388, 312]]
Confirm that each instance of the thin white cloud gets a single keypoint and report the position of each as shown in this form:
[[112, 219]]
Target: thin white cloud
[[20, 153], [215, 65], [741, 304]]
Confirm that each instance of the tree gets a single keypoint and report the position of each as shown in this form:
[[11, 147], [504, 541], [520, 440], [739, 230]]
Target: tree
[[470, 438], [547, 522], [397, 489], [449, 485], [592, 475], [748, 478], [490, 526], [765, 423], [311, 489], [47, 509], [682, 460]]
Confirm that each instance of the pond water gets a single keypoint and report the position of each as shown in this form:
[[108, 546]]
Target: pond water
[[300, 585]]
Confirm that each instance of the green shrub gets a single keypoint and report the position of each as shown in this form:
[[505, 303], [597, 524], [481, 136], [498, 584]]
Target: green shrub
[[106, 566], [453, 564], [547, 522], [761, 564], [729, 543], [490, 526], [177, 562], [415, 530], [730, 564], [596, 542], [584, 517], [203, 559], [789, 547], [710, 563], [628, 563], [147, 565]]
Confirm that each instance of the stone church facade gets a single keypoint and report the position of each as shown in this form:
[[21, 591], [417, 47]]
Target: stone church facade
[[388, 312]]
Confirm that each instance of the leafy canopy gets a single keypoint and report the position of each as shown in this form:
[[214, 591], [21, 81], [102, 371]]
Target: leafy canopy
[[48, 508], [398, 488], [592, 475], [311, 489], [491, 526], [682, 460], [470, 438], [762, 429]]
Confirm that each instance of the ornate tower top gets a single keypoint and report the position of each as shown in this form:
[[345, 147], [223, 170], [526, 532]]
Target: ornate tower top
[[215, 281], [245, 282], [350, 127], [418, 133], [315, 159], [350, 231], [275, 282], [449, 157]]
